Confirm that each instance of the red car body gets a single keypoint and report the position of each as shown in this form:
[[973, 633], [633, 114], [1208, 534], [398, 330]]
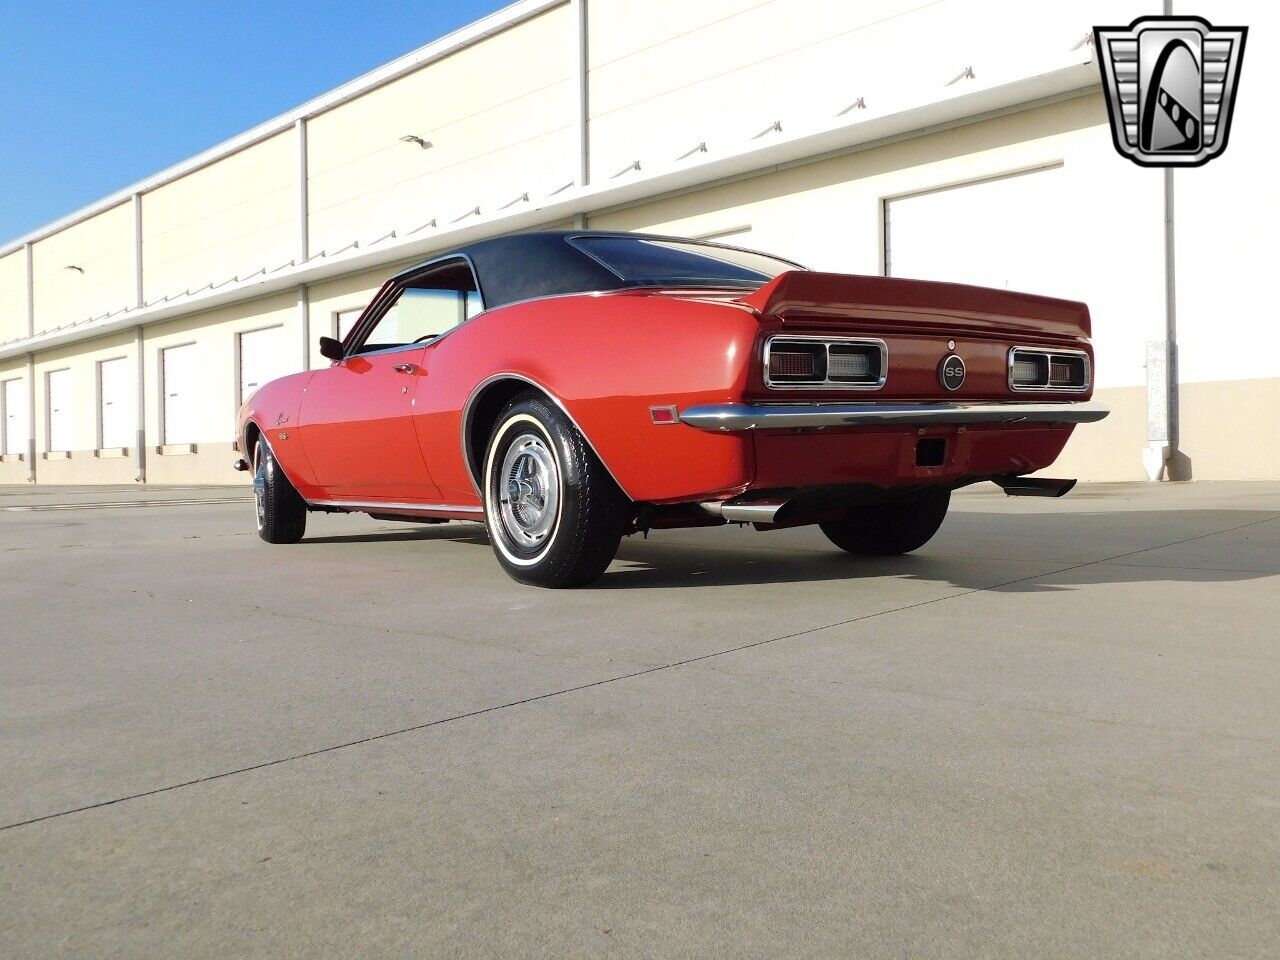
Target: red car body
[[661, 381]]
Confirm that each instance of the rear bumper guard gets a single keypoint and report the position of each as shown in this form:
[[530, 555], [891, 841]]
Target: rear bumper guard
[[794, 416]]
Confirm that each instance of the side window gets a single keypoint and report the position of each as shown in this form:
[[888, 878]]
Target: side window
[[429, 305]]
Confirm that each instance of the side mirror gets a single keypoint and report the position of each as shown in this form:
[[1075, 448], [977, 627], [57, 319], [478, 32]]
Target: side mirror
[[330, 348]]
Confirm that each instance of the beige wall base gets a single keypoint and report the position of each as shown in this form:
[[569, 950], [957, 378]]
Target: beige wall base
[[211, 463], [1110, 450], [1230, 431], [82, 466], [13, 470]]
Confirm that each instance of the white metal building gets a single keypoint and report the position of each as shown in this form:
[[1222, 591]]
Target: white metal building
[[955, 139]]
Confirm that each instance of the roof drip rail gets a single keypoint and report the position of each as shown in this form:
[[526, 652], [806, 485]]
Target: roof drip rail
[[215, 286], [965, 74], [523, 198], [700, 148], [430, 223], [385, 236], [562, 189], [353, 245], [473, 212], [634, 165], [859, 104], [775, 127], [291, 263]]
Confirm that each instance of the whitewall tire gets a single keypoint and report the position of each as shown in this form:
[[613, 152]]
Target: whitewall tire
[[554, 514]]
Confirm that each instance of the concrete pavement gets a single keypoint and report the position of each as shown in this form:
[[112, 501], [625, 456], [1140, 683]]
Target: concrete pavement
[[1052, 732]]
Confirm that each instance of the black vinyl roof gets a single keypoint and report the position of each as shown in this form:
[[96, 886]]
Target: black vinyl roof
[[521, 266]]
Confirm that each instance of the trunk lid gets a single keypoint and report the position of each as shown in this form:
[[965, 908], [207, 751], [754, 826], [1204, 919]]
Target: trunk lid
[[808, 300]]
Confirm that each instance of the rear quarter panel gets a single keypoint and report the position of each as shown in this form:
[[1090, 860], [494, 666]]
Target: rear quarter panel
[[608, 358]]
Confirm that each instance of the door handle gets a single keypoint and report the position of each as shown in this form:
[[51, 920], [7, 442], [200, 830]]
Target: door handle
[[406, 368]]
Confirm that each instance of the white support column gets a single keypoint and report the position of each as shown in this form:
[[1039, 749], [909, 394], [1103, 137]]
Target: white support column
[[304, 319], [140, 431], [31, 293], [137, 250], [1160, 456], [31, 416], [581, 76], [1161, 453], [304, 241], [1170, 324]]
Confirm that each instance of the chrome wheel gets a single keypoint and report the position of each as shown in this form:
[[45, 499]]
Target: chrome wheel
[[529, 491], [260, 488], [553, 513]]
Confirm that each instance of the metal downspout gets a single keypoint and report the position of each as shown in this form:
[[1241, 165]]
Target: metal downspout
[[1160, 456], [31, 370], [140, 415]]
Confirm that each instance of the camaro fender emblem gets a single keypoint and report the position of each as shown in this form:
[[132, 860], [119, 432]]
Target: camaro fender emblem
[[951, 372], [1171, 86]]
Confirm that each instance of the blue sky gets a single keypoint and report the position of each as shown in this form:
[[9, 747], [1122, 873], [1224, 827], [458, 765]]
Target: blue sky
[[98, 95]]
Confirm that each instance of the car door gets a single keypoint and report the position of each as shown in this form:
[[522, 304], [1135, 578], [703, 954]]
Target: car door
[[357, 432], [356, 418]]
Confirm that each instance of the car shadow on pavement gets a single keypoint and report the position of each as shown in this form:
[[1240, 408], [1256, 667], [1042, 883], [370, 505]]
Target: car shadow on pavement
[[1018, 556], [973, 551]]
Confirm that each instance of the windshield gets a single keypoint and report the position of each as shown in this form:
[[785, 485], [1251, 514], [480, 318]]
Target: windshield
[[654, 263]]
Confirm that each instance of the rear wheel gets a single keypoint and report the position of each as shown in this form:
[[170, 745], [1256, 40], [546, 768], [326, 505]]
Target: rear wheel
[[282, 513], [554, 514], [889, 529]]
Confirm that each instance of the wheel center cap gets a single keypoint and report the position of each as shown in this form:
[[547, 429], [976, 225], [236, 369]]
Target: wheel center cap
[[520, 490]]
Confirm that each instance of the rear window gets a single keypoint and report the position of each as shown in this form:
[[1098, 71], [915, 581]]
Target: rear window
[[653, 263]]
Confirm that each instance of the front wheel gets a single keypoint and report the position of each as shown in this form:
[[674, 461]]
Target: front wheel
[[554, 514], [886, 530], [282, 513]]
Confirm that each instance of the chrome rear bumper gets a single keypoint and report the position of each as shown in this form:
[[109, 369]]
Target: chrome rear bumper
[[790, 416]]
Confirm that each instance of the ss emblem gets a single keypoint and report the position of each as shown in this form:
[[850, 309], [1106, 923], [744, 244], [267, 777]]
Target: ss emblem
[[951, 372]]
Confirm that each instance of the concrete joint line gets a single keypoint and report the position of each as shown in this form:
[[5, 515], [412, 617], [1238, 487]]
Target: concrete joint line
[[608, 680]]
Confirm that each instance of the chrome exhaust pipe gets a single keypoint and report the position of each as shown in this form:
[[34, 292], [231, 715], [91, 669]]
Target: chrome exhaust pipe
[[756, 511]]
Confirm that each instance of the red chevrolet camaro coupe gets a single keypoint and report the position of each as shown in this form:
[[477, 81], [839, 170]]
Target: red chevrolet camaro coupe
[[570, 388]]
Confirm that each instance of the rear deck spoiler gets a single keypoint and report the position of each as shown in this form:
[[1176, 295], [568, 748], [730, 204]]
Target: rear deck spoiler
[[805, 295]]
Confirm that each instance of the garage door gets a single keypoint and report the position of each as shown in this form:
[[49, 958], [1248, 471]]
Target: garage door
[[59, 383], [262, 359], [115, 406], [16, 416], [181, 398], [1013, 233], [346, 319]]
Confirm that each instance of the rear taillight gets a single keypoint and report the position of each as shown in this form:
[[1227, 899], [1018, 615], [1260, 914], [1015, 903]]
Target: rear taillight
[[1033, 368], [824, 363], [794, 363]]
